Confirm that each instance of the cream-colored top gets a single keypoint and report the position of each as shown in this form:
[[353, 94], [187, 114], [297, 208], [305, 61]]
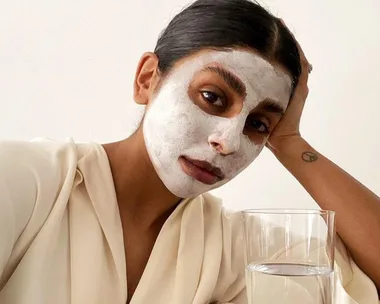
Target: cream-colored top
[[61, 238]]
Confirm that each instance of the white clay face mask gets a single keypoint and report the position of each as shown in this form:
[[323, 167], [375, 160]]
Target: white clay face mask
[[177, 131]]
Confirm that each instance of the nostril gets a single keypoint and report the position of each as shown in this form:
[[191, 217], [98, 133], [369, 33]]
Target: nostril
[[215, 145], [220, 148]]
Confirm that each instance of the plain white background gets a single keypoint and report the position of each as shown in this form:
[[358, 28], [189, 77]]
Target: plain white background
[[67, 69]]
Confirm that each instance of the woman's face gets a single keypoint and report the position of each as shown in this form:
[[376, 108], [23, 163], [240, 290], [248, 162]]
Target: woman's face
[[211, 117]]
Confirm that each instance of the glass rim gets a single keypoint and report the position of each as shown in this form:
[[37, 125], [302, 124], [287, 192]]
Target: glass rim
[[290, 211]]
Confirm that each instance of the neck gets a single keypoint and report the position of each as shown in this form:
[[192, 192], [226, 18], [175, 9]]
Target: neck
[[141, 195]]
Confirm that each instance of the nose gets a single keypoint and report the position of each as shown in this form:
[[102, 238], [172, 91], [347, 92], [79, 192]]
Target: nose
[[225, 139], [224, 146]]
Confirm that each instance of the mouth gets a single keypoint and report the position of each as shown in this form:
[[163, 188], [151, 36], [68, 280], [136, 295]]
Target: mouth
[[202, 171]]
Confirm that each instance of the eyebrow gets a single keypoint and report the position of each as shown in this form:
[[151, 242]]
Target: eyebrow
[[232, 81], [272, 106]]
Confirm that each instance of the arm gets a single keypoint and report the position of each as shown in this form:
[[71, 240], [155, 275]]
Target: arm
[[357, 208]]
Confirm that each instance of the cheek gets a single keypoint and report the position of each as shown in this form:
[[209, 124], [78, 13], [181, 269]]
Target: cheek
[[175, 119], [249, 150]]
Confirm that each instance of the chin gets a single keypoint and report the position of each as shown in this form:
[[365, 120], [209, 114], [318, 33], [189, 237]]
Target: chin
[[190, 187]]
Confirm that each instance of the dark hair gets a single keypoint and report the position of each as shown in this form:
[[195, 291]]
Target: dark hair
[[224, 24]]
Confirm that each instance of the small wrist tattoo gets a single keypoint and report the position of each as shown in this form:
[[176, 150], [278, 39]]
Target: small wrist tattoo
[[309, 157]]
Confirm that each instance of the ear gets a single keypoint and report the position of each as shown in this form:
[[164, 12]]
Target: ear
[[146, 78]]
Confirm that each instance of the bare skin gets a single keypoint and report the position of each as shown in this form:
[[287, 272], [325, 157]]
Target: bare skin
[[145, 203]]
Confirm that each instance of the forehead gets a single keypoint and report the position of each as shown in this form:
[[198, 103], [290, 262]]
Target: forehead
[[262, 79]]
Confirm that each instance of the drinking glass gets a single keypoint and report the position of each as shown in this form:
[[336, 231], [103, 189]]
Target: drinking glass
[[289, 256]]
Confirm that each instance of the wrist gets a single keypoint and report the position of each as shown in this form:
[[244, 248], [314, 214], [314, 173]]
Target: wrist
[[288, 146]]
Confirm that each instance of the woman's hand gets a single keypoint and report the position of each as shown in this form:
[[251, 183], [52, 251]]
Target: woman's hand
[[288, 128]]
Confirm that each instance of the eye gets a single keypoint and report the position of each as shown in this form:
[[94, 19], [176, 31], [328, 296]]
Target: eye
[[212, 98], [256, 124]]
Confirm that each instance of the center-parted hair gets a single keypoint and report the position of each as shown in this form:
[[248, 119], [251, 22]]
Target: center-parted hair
[[226, 24]]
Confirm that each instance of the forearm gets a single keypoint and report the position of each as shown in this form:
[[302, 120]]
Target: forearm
[[357, 208]]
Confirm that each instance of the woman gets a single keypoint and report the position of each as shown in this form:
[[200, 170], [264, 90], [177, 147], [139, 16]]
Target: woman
[[130, 221]]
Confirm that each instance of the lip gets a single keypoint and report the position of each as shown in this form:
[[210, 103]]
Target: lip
[[202, 171]]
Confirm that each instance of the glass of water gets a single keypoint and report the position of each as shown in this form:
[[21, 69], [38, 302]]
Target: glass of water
[[289, 256]]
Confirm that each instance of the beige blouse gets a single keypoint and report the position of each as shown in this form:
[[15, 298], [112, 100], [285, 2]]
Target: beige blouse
[[61, 238]]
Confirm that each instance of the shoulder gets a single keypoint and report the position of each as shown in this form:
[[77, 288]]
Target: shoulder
[[32, 176], [34, 153], [45, 163], [35, 171], [41, 154]]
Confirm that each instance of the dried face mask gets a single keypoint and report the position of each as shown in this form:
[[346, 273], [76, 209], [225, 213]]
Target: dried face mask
[[177, 131]]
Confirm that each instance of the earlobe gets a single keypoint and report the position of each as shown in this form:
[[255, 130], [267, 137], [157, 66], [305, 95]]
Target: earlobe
[[145, 78]]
